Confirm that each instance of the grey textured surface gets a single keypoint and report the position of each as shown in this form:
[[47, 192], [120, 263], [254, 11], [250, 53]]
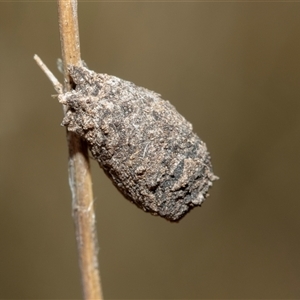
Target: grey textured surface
[[232, 69], [144, 145]]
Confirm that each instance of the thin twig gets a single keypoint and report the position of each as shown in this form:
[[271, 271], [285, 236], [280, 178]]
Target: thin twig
[[79, 168], [56, 84], [83, 210]]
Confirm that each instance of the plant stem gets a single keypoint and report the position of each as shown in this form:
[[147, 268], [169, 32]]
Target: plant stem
[[56, 84], [79, 167]]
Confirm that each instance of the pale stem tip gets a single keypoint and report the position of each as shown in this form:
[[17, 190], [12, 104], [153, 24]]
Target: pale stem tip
[[56, 84]]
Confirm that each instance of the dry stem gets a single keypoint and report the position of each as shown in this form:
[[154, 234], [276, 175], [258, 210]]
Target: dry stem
[[56, 84], [83, 211], [79, 168]]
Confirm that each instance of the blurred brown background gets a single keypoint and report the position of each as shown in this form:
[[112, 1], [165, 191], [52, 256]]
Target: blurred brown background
[[233, 70]]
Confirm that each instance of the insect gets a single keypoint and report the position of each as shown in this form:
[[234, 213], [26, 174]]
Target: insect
[[147, 149]]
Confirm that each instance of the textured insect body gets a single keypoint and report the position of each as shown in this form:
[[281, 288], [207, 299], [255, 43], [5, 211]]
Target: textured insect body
[[142, 143]]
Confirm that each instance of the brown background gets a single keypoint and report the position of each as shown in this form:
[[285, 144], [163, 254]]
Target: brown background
[[233, 70]]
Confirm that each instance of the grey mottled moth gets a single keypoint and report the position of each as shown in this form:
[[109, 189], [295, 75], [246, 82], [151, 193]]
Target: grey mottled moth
[[143, 144]]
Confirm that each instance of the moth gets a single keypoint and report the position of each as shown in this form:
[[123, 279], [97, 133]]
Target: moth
[[147, 149]]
